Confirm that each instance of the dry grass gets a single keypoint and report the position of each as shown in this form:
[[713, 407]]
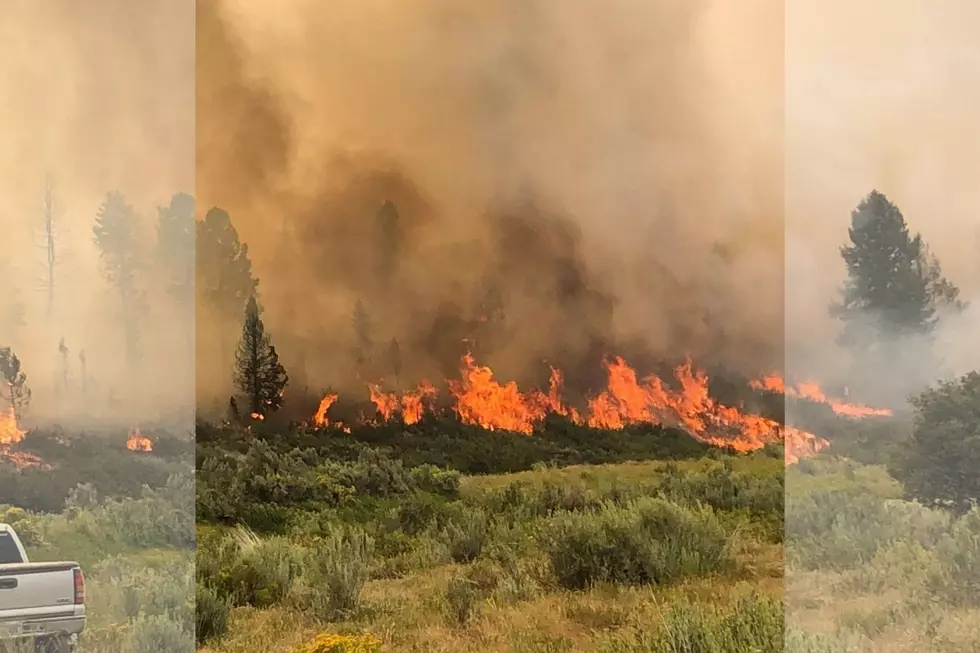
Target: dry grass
[[405, 614]]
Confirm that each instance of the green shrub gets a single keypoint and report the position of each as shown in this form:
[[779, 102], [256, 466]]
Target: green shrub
[[462, 599], [958, 554], [337, 566], [649, 541], [843, 530], [158, 634], [211, 614], [466, 534]]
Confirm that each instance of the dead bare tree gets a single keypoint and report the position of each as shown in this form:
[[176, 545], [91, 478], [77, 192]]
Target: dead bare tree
[[49, 241]]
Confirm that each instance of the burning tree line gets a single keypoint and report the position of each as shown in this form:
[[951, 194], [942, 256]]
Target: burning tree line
[[895, 299]]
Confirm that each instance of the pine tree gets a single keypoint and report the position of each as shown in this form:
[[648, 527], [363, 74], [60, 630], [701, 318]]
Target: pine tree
[[224, 279], [363, 342], [894, 286], [395, 358], [389, 235], [176, 237], [18, 394], [117, 237], [258, 372], [224, 271]]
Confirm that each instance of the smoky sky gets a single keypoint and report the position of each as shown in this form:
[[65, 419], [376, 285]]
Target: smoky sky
[[611, 175], [97, 97], [880, 95]]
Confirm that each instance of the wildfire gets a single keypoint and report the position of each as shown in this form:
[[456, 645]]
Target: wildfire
[[9, 431], [812, 392], [410, 406], [138, 442], [320, 418], [481, 400], [11, 434]]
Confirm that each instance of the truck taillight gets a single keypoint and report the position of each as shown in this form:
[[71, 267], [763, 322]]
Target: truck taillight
[[79, 586]]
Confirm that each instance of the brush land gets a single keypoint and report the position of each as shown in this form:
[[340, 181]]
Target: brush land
[[125, 516], [868, 567], [443, 537]]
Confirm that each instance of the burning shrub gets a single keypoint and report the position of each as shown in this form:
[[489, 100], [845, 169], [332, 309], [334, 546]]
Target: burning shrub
[[649, 541]]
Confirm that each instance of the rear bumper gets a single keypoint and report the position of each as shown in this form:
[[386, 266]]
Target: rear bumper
[[40, 628]]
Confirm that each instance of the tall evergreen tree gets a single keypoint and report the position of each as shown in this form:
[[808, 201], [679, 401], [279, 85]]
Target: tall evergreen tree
[[258, 373], [224, 279], [117, 237], [363, 341], [944, 293], [395, 358], [176, 247], [224, 271], [18, 393], [389, 236], [894, 287]]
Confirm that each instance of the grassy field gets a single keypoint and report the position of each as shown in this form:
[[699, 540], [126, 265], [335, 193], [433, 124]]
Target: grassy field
[[869, 571], [135, 545], [618, 557]]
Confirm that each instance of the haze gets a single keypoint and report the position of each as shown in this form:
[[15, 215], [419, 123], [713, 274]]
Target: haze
[[635, 146], [880, 95], [98, 97]]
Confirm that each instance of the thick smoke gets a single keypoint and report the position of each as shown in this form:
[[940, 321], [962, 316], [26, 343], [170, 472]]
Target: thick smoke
[[98, 97], [612, 174], [880, 95]]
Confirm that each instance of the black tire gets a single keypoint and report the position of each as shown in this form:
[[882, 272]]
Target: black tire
[[54, 644]]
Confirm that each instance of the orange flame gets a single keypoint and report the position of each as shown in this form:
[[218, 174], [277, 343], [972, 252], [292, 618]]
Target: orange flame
[[9, 432], [410, 405], [812, 392], [481, 400], [320, 418], [138, 442]]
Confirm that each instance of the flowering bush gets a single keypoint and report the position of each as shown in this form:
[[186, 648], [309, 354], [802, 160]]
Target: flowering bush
[[330, 643]]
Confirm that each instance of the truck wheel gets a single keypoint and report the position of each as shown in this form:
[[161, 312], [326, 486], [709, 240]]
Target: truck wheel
[[53, 645]]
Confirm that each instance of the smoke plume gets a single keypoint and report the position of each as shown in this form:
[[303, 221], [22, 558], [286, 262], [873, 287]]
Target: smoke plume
[[880, 95], [98, 97], [611, 174]]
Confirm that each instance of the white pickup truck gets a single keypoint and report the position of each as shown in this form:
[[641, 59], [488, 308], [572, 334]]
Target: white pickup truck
[[42, 604]]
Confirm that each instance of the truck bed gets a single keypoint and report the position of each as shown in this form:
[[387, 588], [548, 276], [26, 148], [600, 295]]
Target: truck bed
[[38, 599]]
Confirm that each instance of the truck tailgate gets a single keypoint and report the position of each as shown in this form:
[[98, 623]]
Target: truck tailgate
[[35, 589]]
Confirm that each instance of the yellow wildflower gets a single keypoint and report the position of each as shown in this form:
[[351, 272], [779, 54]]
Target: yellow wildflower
[[331, 643]]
